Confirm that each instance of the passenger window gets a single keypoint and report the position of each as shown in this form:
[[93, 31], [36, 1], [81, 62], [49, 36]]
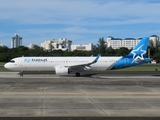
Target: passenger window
[[12, 61]]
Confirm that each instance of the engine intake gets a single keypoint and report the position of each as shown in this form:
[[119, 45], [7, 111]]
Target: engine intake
[[61, 70]]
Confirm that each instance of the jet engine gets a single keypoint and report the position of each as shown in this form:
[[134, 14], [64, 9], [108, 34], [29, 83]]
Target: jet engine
[[61, 70]]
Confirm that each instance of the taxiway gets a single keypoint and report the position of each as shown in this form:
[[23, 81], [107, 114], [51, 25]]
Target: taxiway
[[100, 95]]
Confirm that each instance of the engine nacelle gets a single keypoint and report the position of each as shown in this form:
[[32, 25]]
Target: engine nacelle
[[61, 70]]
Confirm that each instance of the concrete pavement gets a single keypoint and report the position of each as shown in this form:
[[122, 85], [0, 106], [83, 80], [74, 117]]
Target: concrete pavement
[[97, 96]]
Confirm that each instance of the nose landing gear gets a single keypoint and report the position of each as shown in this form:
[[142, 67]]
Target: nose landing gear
[[20, 73]]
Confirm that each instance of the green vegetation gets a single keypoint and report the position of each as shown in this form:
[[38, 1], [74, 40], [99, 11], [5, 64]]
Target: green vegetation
[[146, 67], [6, 54], [2, 69]]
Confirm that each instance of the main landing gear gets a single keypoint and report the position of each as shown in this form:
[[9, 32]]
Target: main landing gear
[[78, 74], [20, 73]]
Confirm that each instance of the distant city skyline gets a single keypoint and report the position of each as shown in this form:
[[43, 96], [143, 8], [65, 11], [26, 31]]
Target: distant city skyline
[[86, 22], [19, 42]]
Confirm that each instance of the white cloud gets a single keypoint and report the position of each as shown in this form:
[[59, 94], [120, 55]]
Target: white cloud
[[38, 20], [78, 12]]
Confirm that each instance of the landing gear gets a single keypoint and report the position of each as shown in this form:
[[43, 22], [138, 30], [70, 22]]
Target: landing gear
[[21, 73], [78, 74]]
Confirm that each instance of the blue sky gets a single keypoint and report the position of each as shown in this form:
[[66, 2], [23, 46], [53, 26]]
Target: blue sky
[[82, 21]]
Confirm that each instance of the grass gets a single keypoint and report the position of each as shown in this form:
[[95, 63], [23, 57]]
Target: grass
[[2, 69], [141, 68]]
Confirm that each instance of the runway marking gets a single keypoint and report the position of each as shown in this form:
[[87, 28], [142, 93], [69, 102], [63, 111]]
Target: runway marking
[[144, 77], [79, 94]]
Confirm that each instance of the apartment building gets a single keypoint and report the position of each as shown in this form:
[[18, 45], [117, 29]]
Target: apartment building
[[64, 44], [54, 44], [16, 41], [88, 47], [129, 43]]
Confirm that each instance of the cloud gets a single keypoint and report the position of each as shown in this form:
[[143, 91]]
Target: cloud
[[78, 12], [77, 20]]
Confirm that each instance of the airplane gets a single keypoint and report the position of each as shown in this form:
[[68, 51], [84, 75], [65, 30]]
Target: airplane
[[66, 65]]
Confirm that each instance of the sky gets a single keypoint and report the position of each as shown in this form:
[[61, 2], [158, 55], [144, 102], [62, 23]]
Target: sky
[[82, 21]]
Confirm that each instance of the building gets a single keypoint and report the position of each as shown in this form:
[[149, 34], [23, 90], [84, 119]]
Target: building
[[62, 44], [154, 40], [129, 43], [16, 41], [1, 45], [82, 47], [31, 46], [116, 43]]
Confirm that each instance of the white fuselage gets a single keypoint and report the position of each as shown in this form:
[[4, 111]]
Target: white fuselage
[[49, 63]]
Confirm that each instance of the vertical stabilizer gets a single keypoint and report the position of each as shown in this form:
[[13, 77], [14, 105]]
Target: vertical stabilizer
[[139, 51], [136, 57]]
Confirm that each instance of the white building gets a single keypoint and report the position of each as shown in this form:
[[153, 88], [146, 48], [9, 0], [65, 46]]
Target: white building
[[53, 44], [16, 41], [154, 39], [129, 43], [88, 47], [31, 46]]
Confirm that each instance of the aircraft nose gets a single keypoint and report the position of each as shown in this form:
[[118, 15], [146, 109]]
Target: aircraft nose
[[6, 66]]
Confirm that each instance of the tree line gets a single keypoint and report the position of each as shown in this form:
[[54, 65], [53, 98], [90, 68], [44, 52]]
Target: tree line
[[7, 54]]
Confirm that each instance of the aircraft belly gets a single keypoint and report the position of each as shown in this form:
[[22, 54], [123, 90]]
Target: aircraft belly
[[38, 67]]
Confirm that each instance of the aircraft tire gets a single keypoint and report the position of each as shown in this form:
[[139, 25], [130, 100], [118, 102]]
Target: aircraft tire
[[21, 73], [78, 74]]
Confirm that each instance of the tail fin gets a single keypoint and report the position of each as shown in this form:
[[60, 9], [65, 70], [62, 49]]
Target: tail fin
[[136, 57], [139, 51]]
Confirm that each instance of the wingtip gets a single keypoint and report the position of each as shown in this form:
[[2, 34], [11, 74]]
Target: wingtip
[[97, 57]]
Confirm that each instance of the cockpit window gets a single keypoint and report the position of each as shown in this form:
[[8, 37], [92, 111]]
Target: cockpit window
[[12, 61]]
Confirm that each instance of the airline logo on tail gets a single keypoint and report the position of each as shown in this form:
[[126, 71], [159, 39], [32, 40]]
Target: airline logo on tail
[[136, 57], [138, 54]]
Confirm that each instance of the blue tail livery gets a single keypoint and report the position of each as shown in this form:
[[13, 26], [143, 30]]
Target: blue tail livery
[[136, 57]]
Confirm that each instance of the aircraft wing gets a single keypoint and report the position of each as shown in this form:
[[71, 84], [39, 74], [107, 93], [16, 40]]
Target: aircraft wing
[[84, 66]]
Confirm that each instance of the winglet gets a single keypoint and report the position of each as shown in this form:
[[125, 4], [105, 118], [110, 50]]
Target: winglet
[[96, 58]]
